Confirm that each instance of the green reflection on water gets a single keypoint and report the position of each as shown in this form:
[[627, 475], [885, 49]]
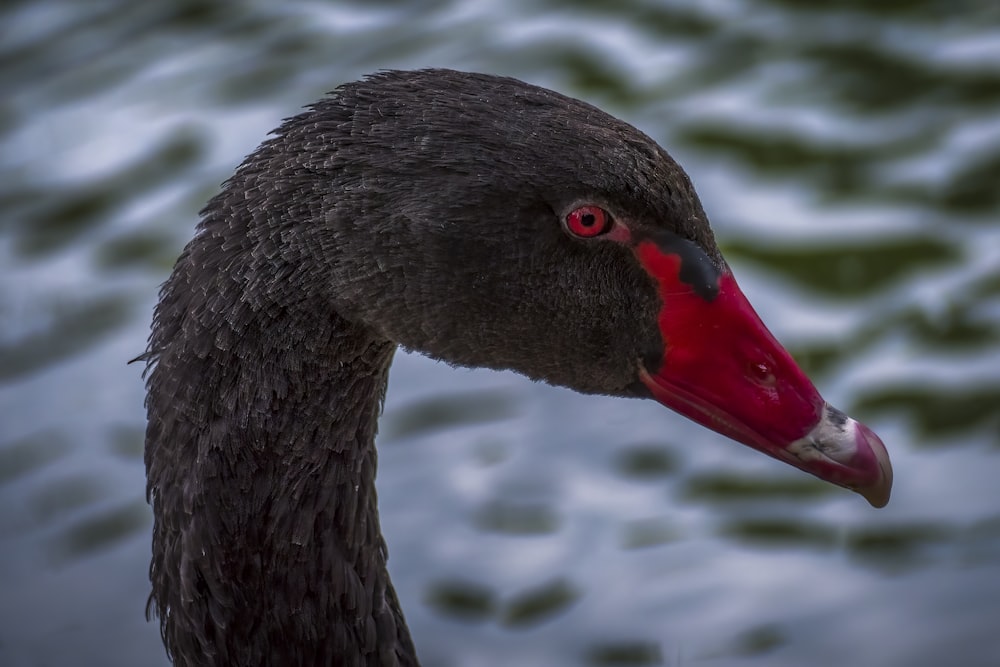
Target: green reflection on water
[[53, 217], [462, 600], [938, 413], [517, 518], [781, 533], [846, 270], [643, 533], [443, 411], [878, 80], [137, 250], [101, 530], [729, 487], [26, 455], [760, 640], [835, 166], [897, 548], [74, 328], [646, 461], [625, 654], [66, 496], [540, 604]]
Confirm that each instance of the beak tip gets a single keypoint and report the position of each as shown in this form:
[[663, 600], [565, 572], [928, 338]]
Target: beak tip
[[845, 452], [877, 493], [877, 497]]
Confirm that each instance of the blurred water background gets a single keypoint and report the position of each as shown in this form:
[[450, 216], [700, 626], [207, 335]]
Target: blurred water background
[[850, 161]]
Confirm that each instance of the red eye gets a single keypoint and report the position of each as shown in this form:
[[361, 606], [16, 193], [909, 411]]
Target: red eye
[[588, 221]]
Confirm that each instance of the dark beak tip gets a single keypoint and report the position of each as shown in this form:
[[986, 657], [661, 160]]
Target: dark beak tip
[[877, 493]]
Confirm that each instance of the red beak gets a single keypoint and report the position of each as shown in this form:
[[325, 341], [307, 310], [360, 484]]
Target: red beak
[[723, 369]]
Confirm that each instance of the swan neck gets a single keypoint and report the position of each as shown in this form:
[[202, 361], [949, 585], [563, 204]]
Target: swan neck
[[261, 472]]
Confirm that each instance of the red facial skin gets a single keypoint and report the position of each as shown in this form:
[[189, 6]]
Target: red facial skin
[[721, 366]]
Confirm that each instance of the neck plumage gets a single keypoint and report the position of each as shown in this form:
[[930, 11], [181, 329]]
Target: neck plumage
[[261, 471]]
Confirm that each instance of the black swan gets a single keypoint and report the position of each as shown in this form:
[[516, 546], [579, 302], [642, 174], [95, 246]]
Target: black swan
[[476, 219]]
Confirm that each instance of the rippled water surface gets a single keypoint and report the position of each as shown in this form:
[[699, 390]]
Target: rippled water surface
[[850, 161]]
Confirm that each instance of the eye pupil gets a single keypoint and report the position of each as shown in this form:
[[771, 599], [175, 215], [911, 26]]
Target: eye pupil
[[588, 219]]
